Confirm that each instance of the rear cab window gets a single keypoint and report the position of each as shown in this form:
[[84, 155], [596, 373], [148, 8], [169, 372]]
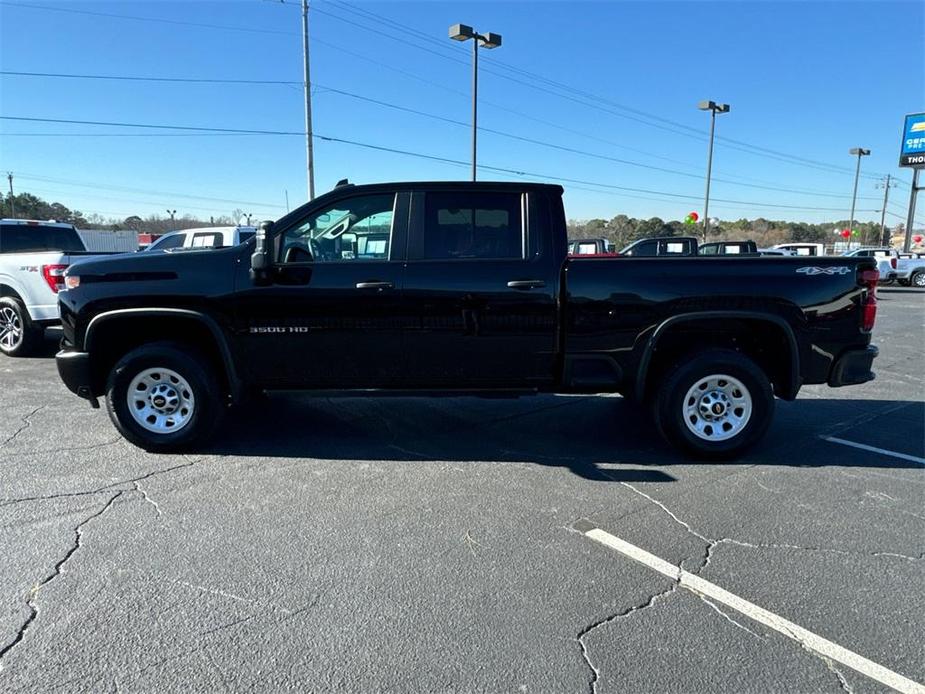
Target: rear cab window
[[39, 238], [472, 225]]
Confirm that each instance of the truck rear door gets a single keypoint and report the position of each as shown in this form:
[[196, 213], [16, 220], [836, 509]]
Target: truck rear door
[[481, 283]]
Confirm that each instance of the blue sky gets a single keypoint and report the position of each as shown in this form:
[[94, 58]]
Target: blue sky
[[617, 81]]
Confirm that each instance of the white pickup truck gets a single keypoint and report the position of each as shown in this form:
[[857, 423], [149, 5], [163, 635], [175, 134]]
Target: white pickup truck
[[206, 237], [33, 258], [887, 259]]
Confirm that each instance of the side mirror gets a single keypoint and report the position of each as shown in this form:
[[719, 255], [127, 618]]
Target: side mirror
[[261, 258]]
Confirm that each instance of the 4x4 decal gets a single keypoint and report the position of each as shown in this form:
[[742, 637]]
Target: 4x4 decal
[[813, 270]]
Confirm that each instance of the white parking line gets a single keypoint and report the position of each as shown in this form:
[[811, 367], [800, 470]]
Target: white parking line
[[809, 640], [872, 449]]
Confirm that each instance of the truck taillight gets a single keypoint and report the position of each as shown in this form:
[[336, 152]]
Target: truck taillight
[[869, 279], [893, 262], [54, 275]]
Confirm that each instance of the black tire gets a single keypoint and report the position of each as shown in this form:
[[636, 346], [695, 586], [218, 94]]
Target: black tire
[[19, 336], [904, 283], [917, 279], [670, 408], [206, 408]]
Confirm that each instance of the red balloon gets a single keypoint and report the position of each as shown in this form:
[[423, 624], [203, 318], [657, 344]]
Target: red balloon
[[694, 216], [846, 233], [918, 238]]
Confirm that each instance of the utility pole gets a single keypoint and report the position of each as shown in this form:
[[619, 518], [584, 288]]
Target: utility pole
[[286, 191], [9, 175], [309, 150], [886, 198]]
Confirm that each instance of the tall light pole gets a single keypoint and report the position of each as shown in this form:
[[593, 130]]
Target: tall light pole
[[461, 32], [171, 213], [9, 175], [886, 185], [713, 108], [856, 152], [307, 83]]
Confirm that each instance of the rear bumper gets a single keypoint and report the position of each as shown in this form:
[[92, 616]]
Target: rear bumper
[[74, 369], [853, 367]]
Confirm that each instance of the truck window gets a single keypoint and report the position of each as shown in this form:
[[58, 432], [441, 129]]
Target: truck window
[[207, 239], [38, 238], [355, 229], [476, 225], [587, 248], [170, 241], [709, 249], [646, 249]]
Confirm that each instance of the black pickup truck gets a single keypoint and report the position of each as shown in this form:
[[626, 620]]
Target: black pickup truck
[[458, 287]]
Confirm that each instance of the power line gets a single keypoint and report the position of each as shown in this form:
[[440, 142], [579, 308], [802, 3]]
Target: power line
[[418, 155], [501, 133], [595, 100], [595, 103]]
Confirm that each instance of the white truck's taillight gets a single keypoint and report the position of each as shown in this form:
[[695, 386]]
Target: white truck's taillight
[[54, 276]]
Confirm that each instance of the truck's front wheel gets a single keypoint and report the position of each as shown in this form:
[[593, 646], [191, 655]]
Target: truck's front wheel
[[162, 397], [716, 405]]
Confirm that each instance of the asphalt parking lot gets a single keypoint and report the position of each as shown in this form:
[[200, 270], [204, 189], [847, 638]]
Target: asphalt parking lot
[[409, 544]]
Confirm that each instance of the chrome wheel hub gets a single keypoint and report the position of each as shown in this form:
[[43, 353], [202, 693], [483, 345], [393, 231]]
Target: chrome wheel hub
[[161, 400], [10, 328], [717, 407]]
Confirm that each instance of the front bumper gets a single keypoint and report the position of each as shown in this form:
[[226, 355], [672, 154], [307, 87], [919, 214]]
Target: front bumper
[[74, 369], [853, 367]]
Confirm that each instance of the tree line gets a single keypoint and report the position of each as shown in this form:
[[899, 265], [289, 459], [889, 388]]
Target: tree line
[[29, 206]]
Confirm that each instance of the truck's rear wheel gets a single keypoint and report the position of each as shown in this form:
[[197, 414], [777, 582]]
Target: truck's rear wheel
[[716, 405], [19, 337], [162, 397], [918, 279]]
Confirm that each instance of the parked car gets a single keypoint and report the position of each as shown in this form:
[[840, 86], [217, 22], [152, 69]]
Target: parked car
[[911, 270], [669, 246], [811, 249], [887, 260], [33, 258], [469, 287], [728, 248], [207, 237], [775, 252], [107, 241]]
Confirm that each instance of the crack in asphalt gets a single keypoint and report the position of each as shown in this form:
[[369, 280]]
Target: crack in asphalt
[[595, 672], [64, 449], [148, 499], [25, 425], [55, 572], [99, 490], [711, 545]]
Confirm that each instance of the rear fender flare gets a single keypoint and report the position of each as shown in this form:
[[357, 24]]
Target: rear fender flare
[[790, 389]]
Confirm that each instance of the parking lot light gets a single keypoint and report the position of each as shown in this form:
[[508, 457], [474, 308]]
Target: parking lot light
[[713, 108], [464, 32], [856, 152]]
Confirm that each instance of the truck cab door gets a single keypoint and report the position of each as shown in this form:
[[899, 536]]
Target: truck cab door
[[481, 285], [330, 315]]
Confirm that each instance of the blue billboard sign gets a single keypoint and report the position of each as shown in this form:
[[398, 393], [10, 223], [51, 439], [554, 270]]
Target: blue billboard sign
[[913, 148]]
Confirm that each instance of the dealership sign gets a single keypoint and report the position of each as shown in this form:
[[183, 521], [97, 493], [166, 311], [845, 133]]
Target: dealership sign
[[913, 149]]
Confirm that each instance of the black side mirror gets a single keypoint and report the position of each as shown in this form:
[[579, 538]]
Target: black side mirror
[[261, 258]]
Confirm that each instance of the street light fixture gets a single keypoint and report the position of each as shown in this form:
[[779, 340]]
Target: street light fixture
[[856, 152], [463, 32], [713, 108]]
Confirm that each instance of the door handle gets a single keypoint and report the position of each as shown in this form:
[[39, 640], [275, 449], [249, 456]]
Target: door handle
[[526, 284], [375, 285]]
